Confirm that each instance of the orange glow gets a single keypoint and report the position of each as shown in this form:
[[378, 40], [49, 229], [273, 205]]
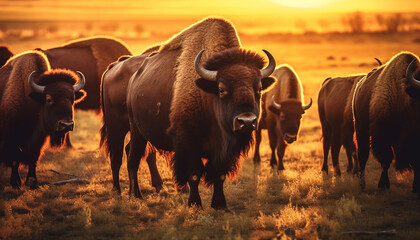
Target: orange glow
[[303, 3]]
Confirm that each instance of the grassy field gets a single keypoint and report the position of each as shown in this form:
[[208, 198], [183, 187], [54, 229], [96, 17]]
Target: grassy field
[[297, 203]]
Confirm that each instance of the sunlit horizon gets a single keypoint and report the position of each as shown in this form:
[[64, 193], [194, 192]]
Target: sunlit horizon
[[129, 9]]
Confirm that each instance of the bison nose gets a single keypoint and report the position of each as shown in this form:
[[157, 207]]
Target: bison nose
[[290, 137], [245, 122], [65, 126]]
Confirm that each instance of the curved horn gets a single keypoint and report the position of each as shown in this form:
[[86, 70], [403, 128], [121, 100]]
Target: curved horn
[[415, 83], [379, 61], [81, 84], [304, 108], [204, 73], [276, 105], [271, 65], [34, 86]]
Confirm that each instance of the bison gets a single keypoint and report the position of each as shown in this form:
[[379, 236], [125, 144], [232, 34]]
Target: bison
[[386, 113], [281, 114], [5, 54], [334, 108], [92, 57], [203, 114], [335, 113], [36, 103], [115, 118]]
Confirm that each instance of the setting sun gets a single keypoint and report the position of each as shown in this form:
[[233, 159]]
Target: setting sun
[[303, 3]]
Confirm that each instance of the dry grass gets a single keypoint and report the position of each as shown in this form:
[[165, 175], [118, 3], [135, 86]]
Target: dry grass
[[298, 203]]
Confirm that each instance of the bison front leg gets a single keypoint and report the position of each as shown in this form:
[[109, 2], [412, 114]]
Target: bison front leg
[[188, 167], [257, 158], [15, 180], [218, 200], [31, 179], [136, 151], [281, 148], [272, 135], [384, 156]]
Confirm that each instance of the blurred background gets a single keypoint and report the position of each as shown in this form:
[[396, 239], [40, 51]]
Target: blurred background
[[156, 20]]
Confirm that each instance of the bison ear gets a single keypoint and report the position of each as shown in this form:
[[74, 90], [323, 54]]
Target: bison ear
[[207, 86], [267, 83], [274, 109], [79, 96], [37, 97]]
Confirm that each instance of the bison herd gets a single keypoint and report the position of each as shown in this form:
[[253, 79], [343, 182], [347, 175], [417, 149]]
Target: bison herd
[[198, 98]]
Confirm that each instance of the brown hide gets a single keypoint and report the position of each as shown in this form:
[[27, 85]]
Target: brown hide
[[334, 108], [91, 56], [386, 114]]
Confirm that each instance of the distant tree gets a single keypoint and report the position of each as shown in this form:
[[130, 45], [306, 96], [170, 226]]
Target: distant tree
[[53, 28], [393, 23], [355, 22], [300, 24], [139, 28], [324, 25]]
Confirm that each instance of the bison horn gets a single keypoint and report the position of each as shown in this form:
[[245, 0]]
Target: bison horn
[[276, 105], [379, 61], [411, 80], [204, 73], [304, 108], [34, 86], [81, 84], [271, 65]]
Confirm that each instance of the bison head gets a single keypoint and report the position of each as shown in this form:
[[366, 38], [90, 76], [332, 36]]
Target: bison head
[[236, 81], [289, 114], [56, 92]]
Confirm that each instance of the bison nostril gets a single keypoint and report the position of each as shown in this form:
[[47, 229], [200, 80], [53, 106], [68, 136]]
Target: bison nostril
[[245, 122], [65, 126]]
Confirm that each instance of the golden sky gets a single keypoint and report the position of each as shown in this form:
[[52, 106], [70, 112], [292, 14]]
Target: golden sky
[[129, 9]]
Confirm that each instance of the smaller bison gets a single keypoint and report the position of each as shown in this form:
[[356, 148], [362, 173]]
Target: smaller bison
[[334, 108], [36, 103], [282, 113]]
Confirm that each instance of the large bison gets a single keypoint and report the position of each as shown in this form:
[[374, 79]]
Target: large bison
[[5, 54], [334, 108], [198, 112], [281, 114], [386, 110], [115, 118], [92, 57], [36, 103]]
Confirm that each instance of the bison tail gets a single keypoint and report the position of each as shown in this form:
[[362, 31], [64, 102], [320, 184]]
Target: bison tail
[[104, 139]]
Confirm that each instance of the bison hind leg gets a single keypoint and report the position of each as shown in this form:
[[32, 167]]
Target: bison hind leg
[[137, 148]]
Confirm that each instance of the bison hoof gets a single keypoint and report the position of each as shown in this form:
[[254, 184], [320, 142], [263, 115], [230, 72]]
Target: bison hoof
[[195, 203], [31, 182], [280, 167], [16, 183], [219, 205], [116, 189]]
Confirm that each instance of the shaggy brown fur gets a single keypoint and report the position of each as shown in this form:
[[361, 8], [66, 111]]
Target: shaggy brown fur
[[392, 118], [27, 119]]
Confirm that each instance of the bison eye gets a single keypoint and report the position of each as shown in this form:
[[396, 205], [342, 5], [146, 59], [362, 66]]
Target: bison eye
[[49, 100], [222, 90]]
